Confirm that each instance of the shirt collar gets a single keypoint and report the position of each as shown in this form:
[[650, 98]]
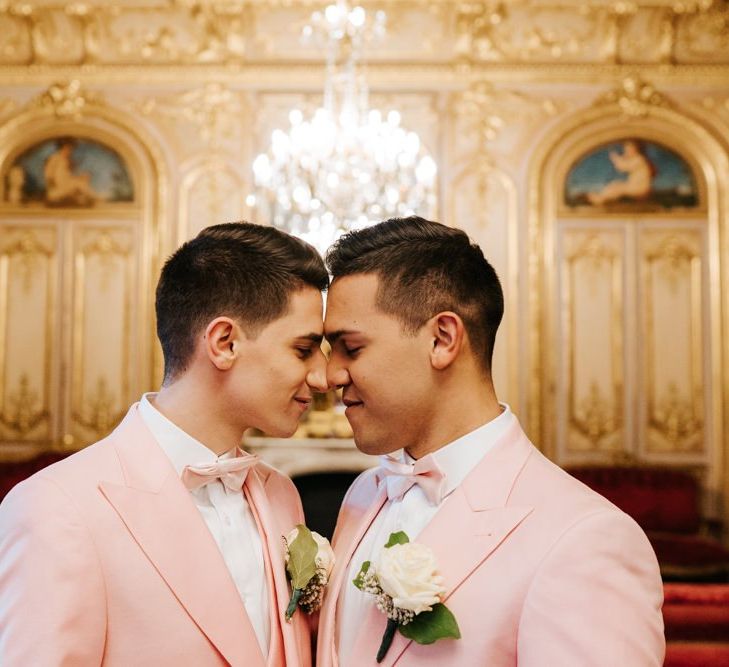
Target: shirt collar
[[181, 448], [458, 458]]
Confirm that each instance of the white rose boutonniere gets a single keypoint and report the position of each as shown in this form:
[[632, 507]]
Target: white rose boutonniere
[[408, 590], [309, 562]]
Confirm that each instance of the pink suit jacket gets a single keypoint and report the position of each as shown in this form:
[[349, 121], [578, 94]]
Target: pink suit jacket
[[539, 571], [105, 560]]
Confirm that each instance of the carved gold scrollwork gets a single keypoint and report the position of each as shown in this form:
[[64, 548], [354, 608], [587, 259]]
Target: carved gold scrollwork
[[83, 33], [21, 413], [594, 416], [634, 96], [29, 250], [675, 418], [108, 250], [103, 274], [66, 99], [675, 256], [214, 110], [486, 111], [500, 31], [705, 34], [206, 31], [674, 414], [98, 414]]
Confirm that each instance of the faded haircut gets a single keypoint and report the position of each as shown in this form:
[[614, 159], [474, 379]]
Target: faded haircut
[[424, 268], [240, 270]]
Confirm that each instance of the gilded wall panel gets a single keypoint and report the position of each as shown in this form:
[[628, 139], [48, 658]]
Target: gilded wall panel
[[591, 384], [675, 340], [28, 296], [103, 292], [202, 118], [211, 193], [482, 202]]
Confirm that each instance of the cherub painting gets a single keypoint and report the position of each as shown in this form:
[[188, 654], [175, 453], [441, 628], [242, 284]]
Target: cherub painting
[[68, 172], [631, 175]]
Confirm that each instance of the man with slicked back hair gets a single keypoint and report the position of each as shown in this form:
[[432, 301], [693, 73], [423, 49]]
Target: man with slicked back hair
[[538, 570]]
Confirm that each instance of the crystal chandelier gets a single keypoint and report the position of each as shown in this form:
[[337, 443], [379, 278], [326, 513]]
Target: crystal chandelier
[[347, 166]]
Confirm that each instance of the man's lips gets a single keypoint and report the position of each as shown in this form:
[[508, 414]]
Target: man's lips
[[303, 401], [351, 403]]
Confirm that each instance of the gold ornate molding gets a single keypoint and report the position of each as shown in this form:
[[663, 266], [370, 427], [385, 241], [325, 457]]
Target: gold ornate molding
[[214, 110], [486, 111], [66, 100], [98, 415], [676, 416], [28, 248], [205, 32], [25, 382], [24, 412], [677, 420], [634, 96], [595, 416]]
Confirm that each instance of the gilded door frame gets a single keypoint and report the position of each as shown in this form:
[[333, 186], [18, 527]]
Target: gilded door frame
[[708, 153], [149, 173]]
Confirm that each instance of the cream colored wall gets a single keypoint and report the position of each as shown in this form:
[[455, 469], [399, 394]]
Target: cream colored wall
[[502, 94]]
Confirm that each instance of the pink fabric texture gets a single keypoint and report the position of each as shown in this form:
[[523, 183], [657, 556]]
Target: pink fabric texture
[[539, 570], [105, 560]]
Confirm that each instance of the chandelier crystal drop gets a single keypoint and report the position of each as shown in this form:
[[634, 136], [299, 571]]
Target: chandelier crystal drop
[[346, 166]]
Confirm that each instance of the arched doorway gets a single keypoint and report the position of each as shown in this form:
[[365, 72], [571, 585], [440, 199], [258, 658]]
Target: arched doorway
[[626, 308], [79, 239]]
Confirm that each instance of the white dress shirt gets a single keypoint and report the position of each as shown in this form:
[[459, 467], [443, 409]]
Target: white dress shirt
[[227, 516], [411, 514]]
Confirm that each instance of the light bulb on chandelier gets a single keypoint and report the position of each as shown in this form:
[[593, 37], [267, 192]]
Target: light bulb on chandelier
[[346, 166]]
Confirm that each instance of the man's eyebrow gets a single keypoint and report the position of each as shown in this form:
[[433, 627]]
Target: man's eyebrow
[[313, 337], [335, 335]]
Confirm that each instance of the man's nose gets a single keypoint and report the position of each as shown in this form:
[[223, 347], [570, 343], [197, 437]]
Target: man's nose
[[317, 375], [337, 374]]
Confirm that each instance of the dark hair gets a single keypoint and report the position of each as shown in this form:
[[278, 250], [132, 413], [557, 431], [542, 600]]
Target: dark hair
[[424, 268], [238, 269]]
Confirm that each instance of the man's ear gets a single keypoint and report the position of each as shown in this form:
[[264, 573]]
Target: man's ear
[[447, 334], [220, 342]]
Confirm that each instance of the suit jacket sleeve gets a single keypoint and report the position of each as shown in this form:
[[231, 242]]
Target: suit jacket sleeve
[[596, 599], [52, 603]]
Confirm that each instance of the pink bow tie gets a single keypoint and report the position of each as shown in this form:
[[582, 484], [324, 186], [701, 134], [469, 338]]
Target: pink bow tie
[[232, 472], [400, 477]]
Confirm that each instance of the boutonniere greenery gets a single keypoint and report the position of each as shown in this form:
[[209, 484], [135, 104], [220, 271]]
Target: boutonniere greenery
[[309, 562], [409, 591]]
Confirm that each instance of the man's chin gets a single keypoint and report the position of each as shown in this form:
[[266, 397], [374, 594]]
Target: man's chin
[[279, 430], [372, 445]]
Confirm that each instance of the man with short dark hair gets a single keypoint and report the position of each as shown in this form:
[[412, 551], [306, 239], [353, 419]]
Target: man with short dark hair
[[161, 544], [537, 569]]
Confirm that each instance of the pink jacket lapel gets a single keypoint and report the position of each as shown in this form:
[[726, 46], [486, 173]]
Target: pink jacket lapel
[[471, 524], [159, 513], [360, 511], [272, 533]]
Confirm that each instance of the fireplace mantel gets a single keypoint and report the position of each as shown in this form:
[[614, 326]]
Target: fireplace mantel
[[304, 456]]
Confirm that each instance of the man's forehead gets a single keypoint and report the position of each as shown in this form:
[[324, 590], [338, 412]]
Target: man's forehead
[[361, 283]]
